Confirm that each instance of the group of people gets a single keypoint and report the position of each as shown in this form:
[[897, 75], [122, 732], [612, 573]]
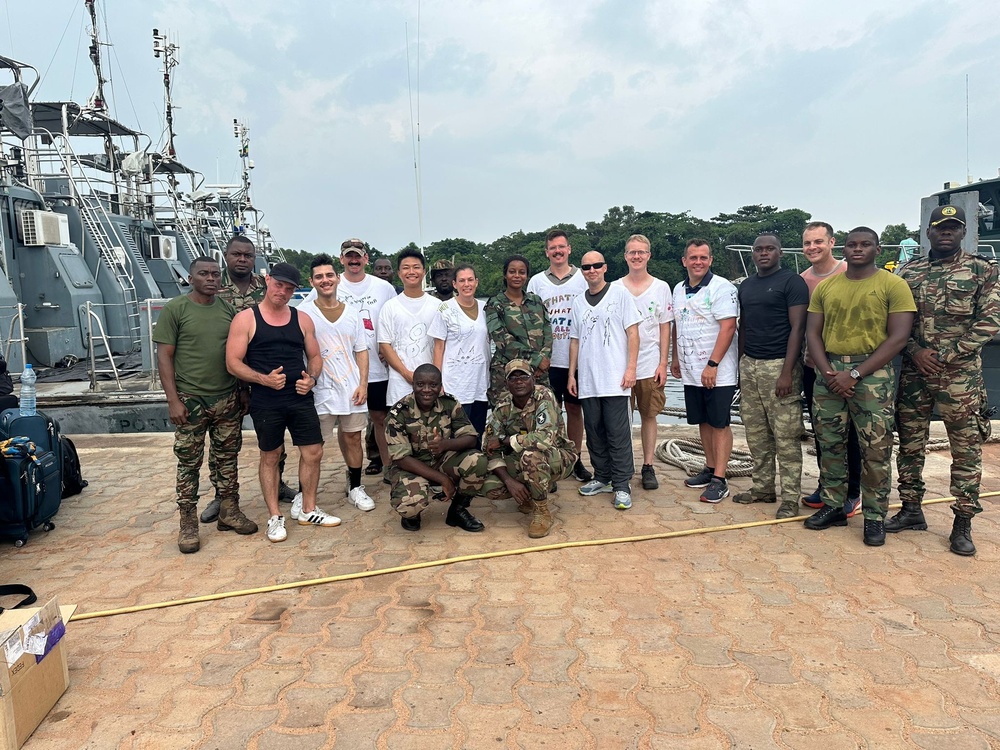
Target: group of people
[[463, 397]]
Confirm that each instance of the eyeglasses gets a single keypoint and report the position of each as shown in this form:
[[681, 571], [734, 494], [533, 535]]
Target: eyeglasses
[[518, 376], [637, 253], [594, 266], [353, 243]]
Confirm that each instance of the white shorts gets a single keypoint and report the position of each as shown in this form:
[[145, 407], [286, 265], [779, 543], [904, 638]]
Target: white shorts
[[348, 423]]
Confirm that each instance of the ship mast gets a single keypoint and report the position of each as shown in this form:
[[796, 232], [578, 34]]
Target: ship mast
[[97, 102], [169, 50], [242, 133]]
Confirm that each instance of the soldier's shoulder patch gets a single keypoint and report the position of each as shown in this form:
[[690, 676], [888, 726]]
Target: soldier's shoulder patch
[[542, 416]]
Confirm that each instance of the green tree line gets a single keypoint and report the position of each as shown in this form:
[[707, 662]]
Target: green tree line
[[668, 234]]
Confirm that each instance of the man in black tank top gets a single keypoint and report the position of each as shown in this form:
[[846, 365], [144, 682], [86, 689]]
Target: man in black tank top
[[274, 349]]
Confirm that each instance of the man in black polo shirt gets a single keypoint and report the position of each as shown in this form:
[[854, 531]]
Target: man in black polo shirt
[[773, 304]]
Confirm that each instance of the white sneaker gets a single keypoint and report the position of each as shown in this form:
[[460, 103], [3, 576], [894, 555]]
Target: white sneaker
[[361, 499], [296, 506], [317, 517], [276, 529]]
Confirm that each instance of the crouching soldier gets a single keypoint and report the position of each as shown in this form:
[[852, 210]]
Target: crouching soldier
[[527, 447], [431, 442]]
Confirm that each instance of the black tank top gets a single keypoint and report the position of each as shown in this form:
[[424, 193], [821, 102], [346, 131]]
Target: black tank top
[[277, 346]]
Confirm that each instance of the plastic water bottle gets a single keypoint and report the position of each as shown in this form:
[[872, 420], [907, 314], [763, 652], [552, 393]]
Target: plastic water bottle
[[27, 395]]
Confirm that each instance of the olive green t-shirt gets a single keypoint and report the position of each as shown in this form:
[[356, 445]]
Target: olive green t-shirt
[[199, 332], [856, 312]]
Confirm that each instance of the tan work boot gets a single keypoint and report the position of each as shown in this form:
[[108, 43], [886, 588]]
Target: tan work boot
[[541, 520], [187, 538], [231, 518]]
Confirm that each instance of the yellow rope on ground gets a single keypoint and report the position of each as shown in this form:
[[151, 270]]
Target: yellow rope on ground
[[452, 560]]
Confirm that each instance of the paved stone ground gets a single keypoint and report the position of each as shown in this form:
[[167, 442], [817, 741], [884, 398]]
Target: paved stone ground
[[772, 636]]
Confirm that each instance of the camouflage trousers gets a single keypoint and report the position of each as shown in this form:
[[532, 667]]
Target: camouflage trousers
[[411, 493], [222, 419], [537, 469], [773, 427], [959, 394], [871, 412]]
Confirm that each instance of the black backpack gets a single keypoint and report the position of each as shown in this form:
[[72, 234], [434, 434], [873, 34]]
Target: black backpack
[[72, 477]]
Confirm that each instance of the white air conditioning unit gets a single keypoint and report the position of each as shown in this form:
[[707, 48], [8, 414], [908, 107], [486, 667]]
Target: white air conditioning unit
[[162, 247], [39, 228]]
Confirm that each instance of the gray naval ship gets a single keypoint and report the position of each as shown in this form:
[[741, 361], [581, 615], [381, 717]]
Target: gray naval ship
[[98, 229]]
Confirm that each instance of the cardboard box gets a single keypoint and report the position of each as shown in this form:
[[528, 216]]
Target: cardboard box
[[33, 671]]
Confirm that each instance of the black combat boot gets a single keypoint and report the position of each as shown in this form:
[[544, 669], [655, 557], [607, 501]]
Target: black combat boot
[[458, 515], [911, 516], [826, 517], [961, 536], [874, 532], [410, 524]]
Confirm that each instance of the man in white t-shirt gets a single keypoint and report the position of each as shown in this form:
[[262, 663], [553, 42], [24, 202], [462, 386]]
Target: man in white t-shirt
[[404, 326], [365, 294], [654, 303], [705, 355], [558, 287], [603, 351], [341, 391]]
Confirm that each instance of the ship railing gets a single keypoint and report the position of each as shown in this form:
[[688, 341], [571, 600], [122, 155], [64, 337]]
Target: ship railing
[[94, 321], [900, 254], [95, 218], [17, 319]]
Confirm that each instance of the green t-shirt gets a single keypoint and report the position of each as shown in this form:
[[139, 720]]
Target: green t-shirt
[[856, 312], [199, 332]]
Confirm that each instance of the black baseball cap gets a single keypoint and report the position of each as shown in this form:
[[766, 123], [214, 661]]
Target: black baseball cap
[[285, 272], [941, 214]]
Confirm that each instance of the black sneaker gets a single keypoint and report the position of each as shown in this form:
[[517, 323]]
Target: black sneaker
[[701, 479], [285, 493], [580, 472], [649, 478], [826, 517]]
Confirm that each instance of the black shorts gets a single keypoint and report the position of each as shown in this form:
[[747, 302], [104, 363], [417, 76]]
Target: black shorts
[[709, 406], [301, 421], [376, 396], [559, 380]]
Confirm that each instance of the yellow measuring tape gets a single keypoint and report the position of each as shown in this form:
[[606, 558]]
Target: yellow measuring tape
[[452, 561]]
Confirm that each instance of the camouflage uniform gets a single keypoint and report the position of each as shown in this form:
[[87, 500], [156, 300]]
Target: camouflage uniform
[[408, 432], [545, 454], [871, 412], [773, 427], [222, 419], [232, 295], [958, 312], [518, 332]]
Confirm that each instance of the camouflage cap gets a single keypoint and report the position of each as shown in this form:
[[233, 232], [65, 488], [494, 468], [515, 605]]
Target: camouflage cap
[[941, 214], [518, 365], [442, 265]]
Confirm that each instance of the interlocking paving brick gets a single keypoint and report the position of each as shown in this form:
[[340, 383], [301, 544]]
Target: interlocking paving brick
[[673, 711], [431, 705], [375, 689], [492, 685]]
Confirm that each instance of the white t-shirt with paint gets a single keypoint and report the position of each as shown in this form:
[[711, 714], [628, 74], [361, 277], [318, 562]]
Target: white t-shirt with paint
[[696, 318], [338, 342], [558, 299], [404, 324], [603, 354], [655, 307], [366, 297], [465, 371]]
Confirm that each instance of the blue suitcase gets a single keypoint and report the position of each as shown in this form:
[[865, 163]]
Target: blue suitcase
[[39, 428], [30, 494]]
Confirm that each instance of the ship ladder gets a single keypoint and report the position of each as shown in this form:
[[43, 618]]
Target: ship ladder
[[116, 260]]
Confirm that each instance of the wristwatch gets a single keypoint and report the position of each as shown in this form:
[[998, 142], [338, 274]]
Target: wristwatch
[[712, 363], [856, 375]]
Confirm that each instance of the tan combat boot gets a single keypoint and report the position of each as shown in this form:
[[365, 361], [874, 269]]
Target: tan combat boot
[[187, 539], [541, 520], [231, 518]]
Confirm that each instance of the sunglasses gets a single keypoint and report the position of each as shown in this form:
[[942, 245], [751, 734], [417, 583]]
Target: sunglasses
[[593, 266], [350, 243], [518, 375]]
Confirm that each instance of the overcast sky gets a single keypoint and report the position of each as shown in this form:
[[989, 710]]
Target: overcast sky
[[534, 112]]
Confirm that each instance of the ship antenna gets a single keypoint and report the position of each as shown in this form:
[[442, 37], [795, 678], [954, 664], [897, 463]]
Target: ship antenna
[[169, 50], [242, 133], [968, 169], [415, 127]]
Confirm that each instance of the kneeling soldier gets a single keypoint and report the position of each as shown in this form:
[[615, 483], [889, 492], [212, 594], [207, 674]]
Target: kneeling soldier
[[432, 442], [527, 446]]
